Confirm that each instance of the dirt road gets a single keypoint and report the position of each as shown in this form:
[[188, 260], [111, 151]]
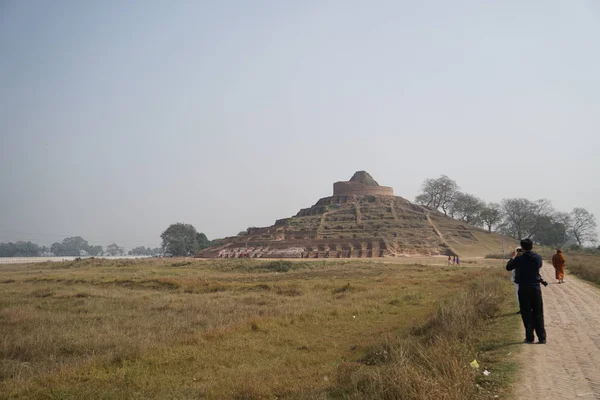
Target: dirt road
[[568, 366]]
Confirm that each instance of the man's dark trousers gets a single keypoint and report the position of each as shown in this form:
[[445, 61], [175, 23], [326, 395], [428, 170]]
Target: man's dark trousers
[[532, 312]]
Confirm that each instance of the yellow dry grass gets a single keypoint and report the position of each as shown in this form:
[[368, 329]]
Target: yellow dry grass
[[241, 329], [586, 266]]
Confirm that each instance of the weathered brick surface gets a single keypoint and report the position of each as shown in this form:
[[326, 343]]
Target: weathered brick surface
[[354, 188]]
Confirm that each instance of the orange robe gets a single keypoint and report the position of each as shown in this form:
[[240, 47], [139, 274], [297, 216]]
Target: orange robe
[[558, 261]]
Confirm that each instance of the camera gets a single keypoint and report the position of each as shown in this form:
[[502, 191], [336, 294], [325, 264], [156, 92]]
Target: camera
[[543, 282]]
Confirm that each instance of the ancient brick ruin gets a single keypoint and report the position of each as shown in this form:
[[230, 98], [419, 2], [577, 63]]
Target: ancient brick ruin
[[361, 220], [361, 184]]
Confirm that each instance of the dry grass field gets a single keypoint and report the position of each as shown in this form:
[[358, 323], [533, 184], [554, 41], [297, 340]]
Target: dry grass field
[[248, 329], [586, 266]]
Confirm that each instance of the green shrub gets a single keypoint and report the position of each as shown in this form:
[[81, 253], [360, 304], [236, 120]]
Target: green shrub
[[278, 266], [181, 264]]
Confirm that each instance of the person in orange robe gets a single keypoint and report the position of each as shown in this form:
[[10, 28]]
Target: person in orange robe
[[558, 260]]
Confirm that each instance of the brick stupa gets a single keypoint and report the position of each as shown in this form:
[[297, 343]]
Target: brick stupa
[[361, 184], [361, 220]]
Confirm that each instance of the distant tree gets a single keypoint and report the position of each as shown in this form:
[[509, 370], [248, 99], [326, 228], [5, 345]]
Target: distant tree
[[114, 250], [137, 251], [583, 226], [95, 250], [523, 218], [437, 193], [71, 246], [491, 215], [563, 218], [203, 241], [144, 251], [56, 248], [542, 213], [517, 217], [466, 207], [20, 249], [552, 232], [183, 240]]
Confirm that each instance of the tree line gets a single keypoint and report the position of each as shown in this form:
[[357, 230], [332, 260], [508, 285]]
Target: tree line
[[516, 217], [75, 246], [179, 240]]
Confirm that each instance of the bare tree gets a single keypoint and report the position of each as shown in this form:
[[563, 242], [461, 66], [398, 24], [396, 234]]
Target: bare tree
[[424, 199], [437, 193], [583, 226], [466, 207], [491, 215], [541, 212], [525, 218], [517, 217], [562, 218]]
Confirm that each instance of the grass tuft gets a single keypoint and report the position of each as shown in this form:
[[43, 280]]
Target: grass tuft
[[181, 264], [42, 293], [342, 289]]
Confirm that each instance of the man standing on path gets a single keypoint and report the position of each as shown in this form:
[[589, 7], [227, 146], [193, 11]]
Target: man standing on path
[[527, 276]]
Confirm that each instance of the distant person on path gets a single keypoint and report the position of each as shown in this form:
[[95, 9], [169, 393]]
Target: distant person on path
[[513, 277], [558, 261], [527, 276], [457, 261], [454, 261], [449, 261]]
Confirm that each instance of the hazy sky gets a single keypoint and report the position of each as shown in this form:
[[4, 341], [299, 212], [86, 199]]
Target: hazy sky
[[118, 118]]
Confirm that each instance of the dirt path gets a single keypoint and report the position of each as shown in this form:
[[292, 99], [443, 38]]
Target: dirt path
[[568, 366]]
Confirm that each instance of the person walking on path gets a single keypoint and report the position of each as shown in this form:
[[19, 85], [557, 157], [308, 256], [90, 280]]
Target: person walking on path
[[513, 277], [449, 261], [457, 261], [527, 275], [558, 261]]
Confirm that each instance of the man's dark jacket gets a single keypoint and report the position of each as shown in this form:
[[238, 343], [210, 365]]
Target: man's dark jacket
[[527, 268]]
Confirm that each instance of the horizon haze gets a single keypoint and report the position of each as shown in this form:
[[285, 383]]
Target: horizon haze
[[119, 119]]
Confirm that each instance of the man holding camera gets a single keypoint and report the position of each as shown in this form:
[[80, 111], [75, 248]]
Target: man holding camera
[[527, 275]]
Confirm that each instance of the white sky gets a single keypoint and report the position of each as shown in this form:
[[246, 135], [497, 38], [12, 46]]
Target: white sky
[[119, 118]]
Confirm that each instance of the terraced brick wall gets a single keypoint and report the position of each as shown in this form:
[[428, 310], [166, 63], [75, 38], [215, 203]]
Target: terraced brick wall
[[350, 188]]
